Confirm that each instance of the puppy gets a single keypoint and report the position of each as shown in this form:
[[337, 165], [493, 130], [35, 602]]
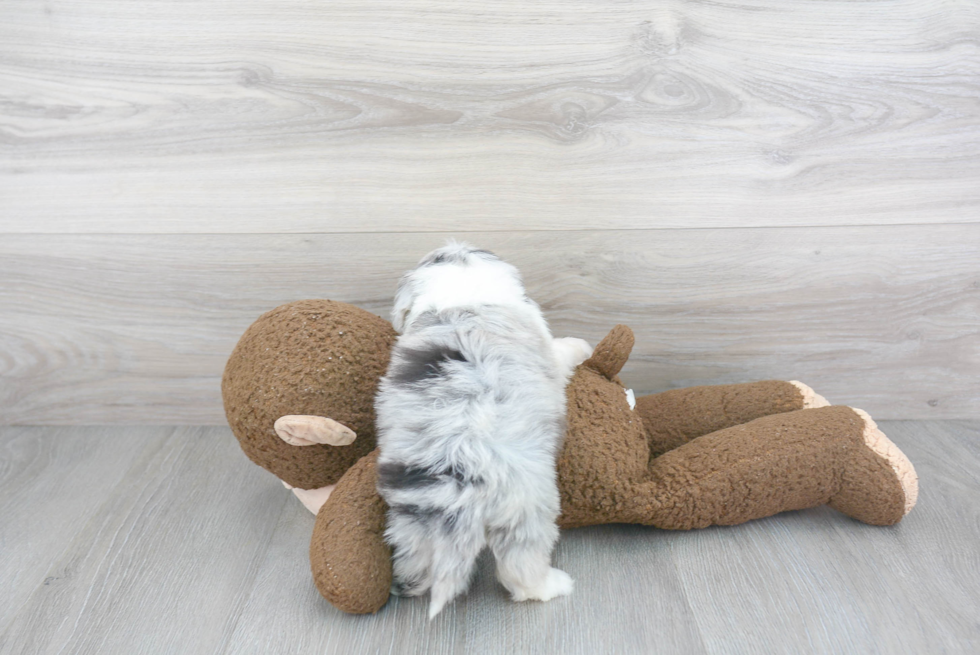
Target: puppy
[[470, 417]]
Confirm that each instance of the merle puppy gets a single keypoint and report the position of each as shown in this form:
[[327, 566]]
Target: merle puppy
[[470, 415]]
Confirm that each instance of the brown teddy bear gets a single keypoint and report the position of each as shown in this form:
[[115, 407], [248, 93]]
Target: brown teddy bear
[[299, 389]]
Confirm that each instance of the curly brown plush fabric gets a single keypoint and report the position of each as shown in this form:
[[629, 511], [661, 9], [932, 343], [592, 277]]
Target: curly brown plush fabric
[[604, 454], [316, 357], [787, 461], [682, 459], [672, 418], [713, 455], [611, 353], [351, 563]]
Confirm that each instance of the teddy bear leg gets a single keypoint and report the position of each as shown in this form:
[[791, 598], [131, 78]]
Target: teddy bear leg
[[866, 490], [350, 560], [675, 417], [776, 463]]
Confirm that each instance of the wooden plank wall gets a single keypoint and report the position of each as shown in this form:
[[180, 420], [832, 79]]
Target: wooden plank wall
[[760, 189]]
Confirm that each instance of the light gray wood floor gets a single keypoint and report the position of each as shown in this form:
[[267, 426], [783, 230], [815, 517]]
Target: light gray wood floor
[[167, 540]]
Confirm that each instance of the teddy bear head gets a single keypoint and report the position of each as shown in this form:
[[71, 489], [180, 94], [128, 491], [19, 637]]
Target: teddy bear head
[[325, 358], [311, 357]]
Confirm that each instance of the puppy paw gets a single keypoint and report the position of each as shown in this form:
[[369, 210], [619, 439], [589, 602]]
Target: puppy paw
[[571, 352], [555, 583]]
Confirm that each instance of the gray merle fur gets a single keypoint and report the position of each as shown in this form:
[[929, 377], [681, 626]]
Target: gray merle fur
[[470, 417]]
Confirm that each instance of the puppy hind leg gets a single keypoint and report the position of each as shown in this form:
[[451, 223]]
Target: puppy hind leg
[[524, 566]]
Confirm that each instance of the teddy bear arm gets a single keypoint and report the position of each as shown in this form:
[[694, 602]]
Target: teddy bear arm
[[674, 418], [350, 560]]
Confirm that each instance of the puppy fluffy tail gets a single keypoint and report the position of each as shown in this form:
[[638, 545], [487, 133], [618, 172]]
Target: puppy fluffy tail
[[454, 558], [457, 539], [434, 550], [444, 591]]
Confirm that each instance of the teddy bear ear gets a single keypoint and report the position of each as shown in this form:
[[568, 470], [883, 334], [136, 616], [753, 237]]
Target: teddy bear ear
[[612, 352]]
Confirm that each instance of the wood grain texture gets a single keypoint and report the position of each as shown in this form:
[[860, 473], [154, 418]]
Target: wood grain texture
[[137, 328], [50, 487], [842, 587], [149, 572], [382, 116], [197, 550]]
